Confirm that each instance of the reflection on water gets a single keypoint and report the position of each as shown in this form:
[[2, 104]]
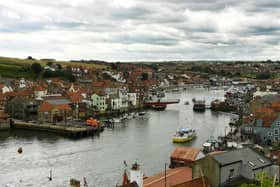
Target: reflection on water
[[147, 139]]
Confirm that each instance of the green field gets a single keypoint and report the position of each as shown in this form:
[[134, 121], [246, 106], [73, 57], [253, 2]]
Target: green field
[[18, 68]]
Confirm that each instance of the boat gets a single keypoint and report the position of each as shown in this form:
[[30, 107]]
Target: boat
[[199, 105], [95, 123], [210, 145], [116, 120], [158, 107], [184, 135], [141, 113]]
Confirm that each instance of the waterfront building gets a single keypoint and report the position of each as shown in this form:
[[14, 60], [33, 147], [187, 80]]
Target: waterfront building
[[55, 109], [53, 113], [227, 167], [99, 103], [22, 108]]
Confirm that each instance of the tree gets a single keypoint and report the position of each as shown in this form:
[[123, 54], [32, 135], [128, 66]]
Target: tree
[[262, 180], [264, 75], [36, 68], [144, 76], [49, 63], [59, 66]]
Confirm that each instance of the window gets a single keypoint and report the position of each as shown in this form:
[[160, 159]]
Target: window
[[276, 132], [230, 176]]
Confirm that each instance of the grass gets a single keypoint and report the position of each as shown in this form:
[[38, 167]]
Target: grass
[[12, 70], [18, 68], [43, 63]]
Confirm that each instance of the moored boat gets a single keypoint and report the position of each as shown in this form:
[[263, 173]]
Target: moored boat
[[199, 105], [184, 135]]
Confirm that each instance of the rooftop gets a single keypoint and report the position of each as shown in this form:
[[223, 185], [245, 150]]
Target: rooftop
[[186, 154], [246, 156], [173, 177]]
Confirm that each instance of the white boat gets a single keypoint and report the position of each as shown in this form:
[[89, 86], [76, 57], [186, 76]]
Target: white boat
[[116, 120]]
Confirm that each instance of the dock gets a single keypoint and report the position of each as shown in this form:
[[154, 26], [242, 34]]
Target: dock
[[72, 131]]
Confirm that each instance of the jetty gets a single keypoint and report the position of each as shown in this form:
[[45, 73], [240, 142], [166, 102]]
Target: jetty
[[69, 130]]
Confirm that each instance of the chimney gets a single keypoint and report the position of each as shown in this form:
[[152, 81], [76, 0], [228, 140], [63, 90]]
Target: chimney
[[136, 174]]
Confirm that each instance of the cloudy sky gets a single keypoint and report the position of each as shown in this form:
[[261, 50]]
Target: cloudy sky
[[133, 30]]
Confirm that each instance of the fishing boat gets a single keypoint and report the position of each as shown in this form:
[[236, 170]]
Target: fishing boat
[[199, 105], [210, 145], [184, 135]]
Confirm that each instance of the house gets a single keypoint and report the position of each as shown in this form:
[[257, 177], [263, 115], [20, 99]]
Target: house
[[263, 126], [53, 113], [132, 100], [22, 108], [39, 92], [99, 102], [184, 156], [123, 95], [77, 104], [224, 168], [4, 88]]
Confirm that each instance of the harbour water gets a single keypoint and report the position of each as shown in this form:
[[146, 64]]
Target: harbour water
[[147, 140]]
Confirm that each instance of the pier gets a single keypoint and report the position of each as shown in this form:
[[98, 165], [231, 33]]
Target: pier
[[72, 131]]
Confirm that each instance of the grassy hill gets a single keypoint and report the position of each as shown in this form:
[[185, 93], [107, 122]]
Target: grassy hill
[[17, 68]]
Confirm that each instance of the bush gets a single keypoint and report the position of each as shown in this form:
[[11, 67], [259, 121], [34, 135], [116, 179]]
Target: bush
[[36, 68]]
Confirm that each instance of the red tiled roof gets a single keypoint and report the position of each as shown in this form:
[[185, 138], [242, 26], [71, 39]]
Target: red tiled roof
[[40, 88], [275, 105], [185, 154], [198, 182], [98, 84], [173, 177], [46, 107], [265, 110], [75, 97]]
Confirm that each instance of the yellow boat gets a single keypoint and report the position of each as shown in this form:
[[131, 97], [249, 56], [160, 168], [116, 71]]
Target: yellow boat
[[183, 136]]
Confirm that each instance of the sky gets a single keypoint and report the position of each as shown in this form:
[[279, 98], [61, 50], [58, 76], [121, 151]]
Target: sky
[[137, 30]]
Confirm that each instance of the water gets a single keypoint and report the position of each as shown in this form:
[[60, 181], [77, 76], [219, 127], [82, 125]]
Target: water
[[146, 140]]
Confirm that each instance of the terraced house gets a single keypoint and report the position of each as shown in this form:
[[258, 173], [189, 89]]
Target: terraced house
[[263, 126], [99, 103]]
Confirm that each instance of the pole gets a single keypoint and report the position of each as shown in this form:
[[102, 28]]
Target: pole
[[165, 175]]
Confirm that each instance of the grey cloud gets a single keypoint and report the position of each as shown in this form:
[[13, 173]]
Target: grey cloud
[[142, 29]]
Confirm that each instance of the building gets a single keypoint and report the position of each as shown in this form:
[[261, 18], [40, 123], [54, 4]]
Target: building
[[55, 109], [99, 103], [53, 113], [185, 156], [22, 108], [263, 126], [224, 168]]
